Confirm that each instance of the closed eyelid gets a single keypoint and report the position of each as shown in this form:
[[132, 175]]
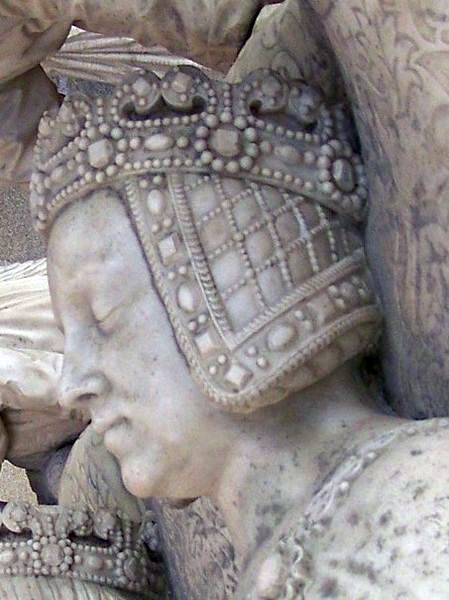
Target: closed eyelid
[[102, 315], [102, 310]]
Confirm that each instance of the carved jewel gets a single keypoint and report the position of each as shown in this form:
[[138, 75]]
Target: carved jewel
[[262, 128], [55, 541], [238, 194]]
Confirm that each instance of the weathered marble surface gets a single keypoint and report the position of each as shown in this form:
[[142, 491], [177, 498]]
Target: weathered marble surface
[[14, 484], [429, 395], [393, 59], [283, 453], [198, 550], [401, 115]]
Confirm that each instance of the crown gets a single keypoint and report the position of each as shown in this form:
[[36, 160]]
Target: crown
[[240, 197], [262, 129], [99, 548]]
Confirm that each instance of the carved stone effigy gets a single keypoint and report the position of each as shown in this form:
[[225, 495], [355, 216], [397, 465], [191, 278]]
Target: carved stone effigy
[[100, 142], [392, 61], [34, 430], [379, 103], [190, 180]]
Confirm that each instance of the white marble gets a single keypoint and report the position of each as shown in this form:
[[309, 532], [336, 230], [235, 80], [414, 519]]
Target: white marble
[[324, 454]]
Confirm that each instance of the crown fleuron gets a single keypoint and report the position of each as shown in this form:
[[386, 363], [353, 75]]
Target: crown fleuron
[[263, 129], [99, 547], [240, 196]]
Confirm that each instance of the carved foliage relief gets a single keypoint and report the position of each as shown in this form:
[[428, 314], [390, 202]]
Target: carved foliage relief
[[395, 60]]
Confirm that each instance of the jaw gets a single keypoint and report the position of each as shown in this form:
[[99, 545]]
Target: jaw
[[170, 502]]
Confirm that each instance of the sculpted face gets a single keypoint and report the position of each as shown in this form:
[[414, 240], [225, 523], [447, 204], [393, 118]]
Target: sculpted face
[[121, 359]]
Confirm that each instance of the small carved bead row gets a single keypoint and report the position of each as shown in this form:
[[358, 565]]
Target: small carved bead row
[[98, 142]]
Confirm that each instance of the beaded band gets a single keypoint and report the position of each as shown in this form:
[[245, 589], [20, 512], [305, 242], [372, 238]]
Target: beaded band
[[100, 548], [262, 129], [243, 198]]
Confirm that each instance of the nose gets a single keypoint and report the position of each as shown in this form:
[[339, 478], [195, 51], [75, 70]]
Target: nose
[[78, 390]]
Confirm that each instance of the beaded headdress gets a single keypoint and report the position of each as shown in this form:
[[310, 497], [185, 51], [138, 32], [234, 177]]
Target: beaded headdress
[[244, 198]]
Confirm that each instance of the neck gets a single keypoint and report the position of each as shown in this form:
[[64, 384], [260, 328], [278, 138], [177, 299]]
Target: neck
[[283, 451]]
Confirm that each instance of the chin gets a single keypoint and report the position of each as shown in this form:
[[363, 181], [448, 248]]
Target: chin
[[136, 480], [177, 503], [141, 471], [145, 476]]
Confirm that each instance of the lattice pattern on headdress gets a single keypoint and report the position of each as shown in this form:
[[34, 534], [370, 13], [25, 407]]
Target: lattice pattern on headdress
[[257, 281], [243, 218]]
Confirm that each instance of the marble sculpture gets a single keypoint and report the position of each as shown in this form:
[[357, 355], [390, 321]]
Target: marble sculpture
[[216, 311], [212, 317]]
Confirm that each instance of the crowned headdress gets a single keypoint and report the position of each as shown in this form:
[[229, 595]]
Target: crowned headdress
[[244, 199]]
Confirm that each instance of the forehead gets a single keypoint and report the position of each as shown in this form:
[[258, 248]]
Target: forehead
[[91, 231]]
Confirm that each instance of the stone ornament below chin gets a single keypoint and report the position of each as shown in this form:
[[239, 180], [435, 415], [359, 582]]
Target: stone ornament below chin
[[100, 548]]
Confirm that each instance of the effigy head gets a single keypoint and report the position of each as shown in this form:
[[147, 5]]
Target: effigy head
[[244, 199]]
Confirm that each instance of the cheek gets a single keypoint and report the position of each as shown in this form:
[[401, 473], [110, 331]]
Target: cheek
[[166, 420]]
